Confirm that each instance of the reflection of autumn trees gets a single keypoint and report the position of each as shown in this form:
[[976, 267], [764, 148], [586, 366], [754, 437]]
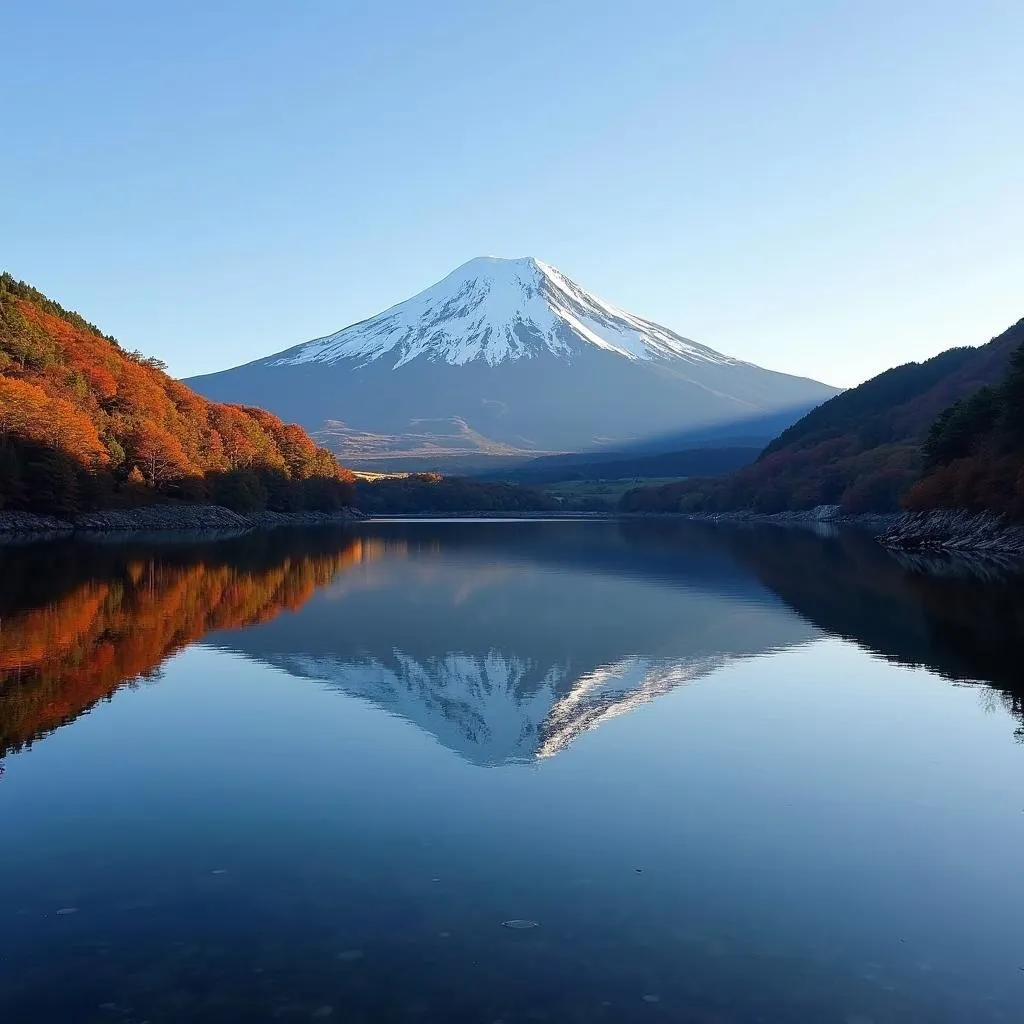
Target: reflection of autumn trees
[[114, 615]]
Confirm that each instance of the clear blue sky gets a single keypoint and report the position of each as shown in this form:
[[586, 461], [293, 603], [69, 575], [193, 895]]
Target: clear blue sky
[[822, 187]]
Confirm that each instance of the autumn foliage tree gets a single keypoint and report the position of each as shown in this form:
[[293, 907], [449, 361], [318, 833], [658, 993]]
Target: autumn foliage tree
[[84, 423]]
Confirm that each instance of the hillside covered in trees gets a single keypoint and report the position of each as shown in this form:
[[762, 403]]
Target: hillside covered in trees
[[974, 452], [86, 424], [861, 450]]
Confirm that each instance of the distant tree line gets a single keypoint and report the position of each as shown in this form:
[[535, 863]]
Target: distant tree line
[[712, 461], [431, 492]]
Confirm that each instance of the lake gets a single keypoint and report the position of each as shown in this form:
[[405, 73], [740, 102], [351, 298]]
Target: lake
[[509, 772]]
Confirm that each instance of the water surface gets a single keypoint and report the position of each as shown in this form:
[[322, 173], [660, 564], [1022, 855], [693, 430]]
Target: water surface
[[724, 775]]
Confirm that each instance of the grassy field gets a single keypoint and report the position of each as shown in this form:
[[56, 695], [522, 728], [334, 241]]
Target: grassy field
[[608, 491]]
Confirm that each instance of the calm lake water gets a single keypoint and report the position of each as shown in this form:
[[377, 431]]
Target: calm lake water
[[515, 772]]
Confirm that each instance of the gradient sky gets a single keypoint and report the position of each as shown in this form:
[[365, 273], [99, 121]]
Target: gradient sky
[[822, 187]]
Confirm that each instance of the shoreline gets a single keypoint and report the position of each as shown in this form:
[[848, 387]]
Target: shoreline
[[161, 520], [955, 531], [951, 531]]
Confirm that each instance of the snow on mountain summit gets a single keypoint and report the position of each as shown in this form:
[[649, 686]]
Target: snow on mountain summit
[[497, 310]]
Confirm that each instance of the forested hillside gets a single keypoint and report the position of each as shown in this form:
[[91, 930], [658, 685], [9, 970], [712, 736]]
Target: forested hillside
[[861, 450], [974, 452], [86, 424]]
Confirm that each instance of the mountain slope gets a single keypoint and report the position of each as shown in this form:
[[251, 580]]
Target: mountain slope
[[84, 423], [861, 449], [506, 356]]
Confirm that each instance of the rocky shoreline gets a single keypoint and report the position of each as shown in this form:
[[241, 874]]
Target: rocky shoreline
[[955, 530], [160, 519]]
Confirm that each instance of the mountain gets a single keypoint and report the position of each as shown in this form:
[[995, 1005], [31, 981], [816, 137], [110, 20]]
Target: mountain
[[862, 449], [85, 423], [504, 358]]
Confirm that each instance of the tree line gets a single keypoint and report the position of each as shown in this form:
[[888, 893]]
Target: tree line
[[431, 492]]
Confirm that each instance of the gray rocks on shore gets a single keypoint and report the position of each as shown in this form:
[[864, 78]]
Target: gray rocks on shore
[[29, 523], [955, 530], [161, 518]]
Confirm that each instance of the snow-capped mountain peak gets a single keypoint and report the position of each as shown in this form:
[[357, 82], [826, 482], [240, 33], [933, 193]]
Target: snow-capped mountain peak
[[495, 310], [509, 357]]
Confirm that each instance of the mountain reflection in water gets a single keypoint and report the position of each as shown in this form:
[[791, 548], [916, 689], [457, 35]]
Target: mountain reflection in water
[[504, 643]]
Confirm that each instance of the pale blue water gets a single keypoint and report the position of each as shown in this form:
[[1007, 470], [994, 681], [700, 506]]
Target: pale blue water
[[730, 776]]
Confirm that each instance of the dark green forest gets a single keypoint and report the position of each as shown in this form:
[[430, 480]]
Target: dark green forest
[[974, 452]]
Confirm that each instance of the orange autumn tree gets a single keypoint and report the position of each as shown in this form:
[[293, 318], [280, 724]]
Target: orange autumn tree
[[83, 421], [156, 452], [27, 411]]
